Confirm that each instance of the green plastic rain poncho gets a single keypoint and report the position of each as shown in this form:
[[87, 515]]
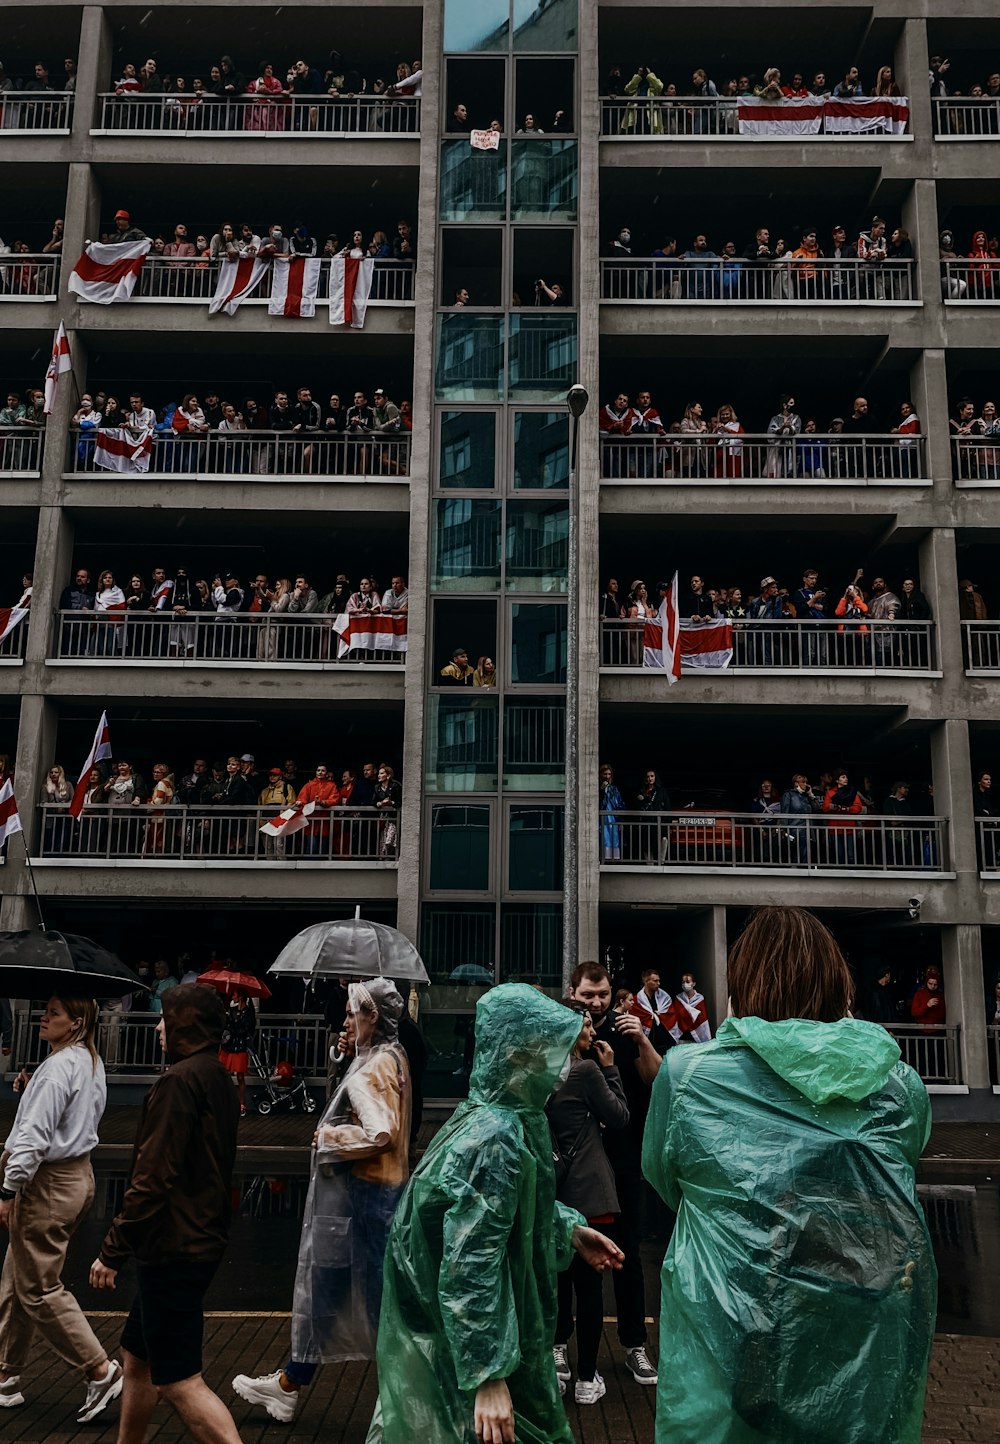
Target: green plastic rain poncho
[[477, 1240], [799, 1287]]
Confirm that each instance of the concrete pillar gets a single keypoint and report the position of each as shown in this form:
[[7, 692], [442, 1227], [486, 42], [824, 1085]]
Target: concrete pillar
[[36, 752], [588, 491], [421, 459], [930, 397], [93, 68], [939, 581], [951, 768], [962, 958], [910, 66], [83, 203], [713, 979], [920, 218], [53, 571]]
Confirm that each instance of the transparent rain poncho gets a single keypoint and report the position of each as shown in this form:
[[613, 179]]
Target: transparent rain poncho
[[799, 1289], [359, 1169], [477, 1240]]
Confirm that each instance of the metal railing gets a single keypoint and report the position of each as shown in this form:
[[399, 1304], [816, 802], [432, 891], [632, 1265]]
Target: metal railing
[[256, 455], [775, 283], [933, 1053], [993, 1038], [988, 844], [23, 112], [131, 1049], [245, 638], [690, 117], [833, 457], [176, 834], [12, 646], [981, 643], [971, 281], [193, 280], [29, 276], [798, 645], [976, 459], [817, 842], [966, 117], [258, 116], [20, 450]]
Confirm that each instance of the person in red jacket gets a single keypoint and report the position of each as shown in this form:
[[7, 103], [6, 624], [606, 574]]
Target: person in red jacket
[[324, 792], [843, 800], [928, 1005]]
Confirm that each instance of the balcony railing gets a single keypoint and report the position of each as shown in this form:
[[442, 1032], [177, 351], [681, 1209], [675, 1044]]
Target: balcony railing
[[12, 647], [777, 283], [835, 459], [689, 117], [29, 277], [993, 1035], [976, 459], [20, 450], [798, 646], [988, 843], [933, 1053], [194, 281], [222, 638], [25, 113], [971, 282], [260, 456], [197, 835], [981, 641], [258, 117], [131, 1050], [737, 841], [966, 118]]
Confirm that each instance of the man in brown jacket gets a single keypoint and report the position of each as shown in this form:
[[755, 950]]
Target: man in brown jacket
[[175, 1223]]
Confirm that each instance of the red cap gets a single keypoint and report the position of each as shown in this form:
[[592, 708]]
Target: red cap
[[122, 216]]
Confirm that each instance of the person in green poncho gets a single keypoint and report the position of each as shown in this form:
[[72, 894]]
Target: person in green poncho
[[469, 1303], [799, 1288]]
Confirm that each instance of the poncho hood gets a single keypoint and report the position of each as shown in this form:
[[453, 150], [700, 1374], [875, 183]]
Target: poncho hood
[[850, 1059], [523, 1040], [194, 1018]]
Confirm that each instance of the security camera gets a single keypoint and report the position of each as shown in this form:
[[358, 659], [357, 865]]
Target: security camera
[[913, 906]]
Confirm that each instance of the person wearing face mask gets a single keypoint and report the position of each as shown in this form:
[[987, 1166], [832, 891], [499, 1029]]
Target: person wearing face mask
[[276, 243], [301, 243], [691, 1013], [621, 247]]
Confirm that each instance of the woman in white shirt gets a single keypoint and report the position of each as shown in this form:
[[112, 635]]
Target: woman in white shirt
[[109, 604], [48, 1187]]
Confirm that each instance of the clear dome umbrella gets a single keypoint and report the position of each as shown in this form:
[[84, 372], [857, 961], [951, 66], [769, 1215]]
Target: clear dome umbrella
[[350, 948]]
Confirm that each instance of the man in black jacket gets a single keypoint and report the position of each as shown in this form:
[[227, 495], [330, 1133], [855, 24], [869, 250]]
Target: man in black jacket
[[175, 1223]]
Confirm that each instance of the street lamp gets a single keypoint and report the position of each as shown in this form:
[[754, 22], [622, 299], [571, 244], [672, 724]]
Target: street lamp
[[576, 401]]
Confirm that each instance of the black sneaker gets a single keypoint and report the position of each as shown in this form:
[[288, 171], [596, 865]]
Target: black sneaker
[[638, 1365]]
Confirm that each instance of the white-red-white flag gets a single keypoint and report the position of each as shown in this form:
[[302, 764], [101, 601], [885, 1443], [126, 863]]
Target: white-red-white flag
[[350, 287], [707, 645], [10, 821], [238, 280], [293, 819], [368, 632], [11, 617], [106, 273], [294, 286], [661, 637], [59, 363], [116, 449], [99, 752]]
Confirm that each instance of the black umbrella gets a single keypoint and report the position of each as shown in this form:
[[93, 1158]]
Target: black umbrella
[[37, 964]]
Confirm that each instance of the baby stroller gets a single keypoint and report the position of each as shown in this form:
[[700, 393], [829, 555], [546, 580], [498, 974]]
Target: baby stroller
[[283, 1087]]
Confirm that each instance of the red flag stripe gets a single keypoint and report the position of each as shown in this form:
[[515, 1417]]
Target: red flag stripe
[[110, 274], [293, 295]]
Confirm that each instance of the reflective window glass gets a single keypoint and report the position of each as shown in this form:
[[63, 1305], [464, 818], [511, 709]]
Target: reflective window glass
[[473, 182], [531, 941], [535, 849], [537, 643], [534, 743], [541, 450], [470, 357], [536, 546], [543, 180], [545, 25], [468, 450], [462, 742], [467, 544], [460, 847], [476, 25], [543, 355]]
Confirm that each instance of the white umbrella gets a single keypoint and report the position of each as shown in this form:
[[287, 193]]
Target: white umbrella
[[350, 948]]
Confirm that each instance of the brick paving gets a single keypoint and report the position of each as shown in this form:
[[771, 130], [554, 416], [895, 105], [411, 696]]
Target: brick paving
[[962, 1397]]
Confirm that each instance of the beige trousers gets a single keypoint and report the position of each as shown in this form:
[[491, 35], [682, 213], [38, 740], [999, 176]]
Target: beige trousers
[[46, 1214]]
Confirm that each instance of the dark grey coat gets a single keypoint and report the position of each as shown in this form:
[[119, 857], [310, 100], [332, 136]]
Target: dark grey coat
[[591, 1095]]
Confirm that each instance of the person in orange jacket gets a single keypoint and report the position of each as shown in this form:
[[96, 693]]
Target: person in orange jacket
[[322, 790], [843, 801]]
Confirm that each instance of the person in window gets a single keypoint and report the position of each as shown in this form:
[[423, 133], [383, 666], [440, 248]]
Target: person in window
[[485, 674], [458, 672], [610, 803]]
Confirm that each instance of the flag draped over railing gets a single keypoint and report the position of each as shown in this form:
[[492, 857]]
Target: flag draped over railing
[[294, 287], [671, 642], [107, 273], [365, 631], [350, 287], [116, 448]]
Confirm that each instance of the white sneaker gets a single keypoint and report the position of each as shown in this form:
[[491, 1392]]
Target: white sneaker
[[101, 1392], [560, 1358], [588, 1391], [279, 1403], [10, 1392]]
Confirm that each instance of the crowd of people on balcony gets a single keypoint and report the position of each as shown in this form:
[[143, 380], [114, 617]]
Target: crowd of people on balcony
[[109, 826], [940, 79], [644, 84], [461, 121], [975, 440], [162, 617], [696, 446], [856, 601], [861, 267], [974, 276], [234, 242]]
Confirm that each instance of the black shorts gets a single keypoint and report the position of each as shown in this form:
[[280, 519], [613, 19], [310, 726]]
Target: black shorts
[[167, 1320]]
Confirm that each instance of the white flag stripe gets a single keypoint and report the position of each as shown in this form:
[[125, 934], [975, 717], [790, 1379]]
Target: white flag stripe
[[107, 273]]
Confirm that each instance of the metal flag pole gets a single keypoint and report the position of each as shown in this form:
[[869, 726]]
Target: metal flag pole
[[576, 400]]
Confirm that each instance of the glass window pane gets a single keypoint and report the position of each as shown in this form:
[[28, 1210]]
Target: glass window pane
[[537, 643], [468, 450], [541, 449], [473, 182], [462, 742], [470, 357], [537, 542], [534, 743], [543, 182], [535, 931], [545, 25], [467, 545], [460, 848], [535, 849], [543, 356], [477, 25]]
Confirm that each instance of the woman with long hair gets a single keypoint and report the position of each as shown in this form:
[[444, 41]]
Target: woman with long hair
[[47, 1190], [109, 604], [788, 1148], [56, 792]]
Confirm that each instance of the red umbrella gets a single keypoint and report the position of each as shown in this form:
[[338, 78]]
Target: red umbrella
[[224, 980]]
